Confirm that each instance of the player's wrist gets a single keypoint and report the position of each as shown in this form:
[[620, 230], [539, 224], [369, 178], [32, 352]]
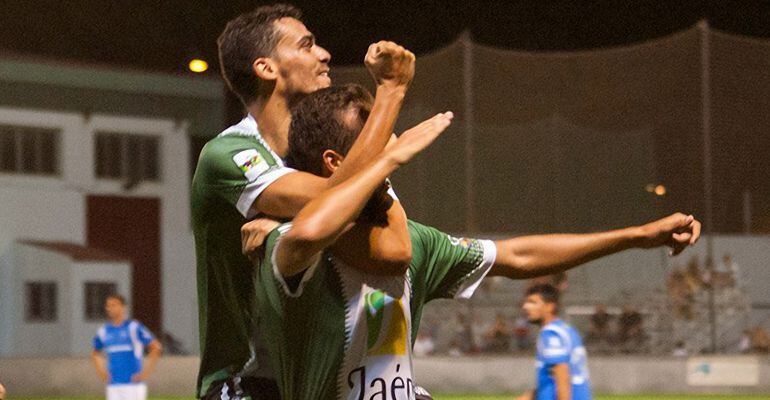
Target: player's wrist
[[392, 90]]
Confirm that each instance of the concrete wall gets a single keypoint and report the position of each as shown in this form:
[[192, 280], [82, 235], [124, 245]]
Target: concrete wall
[[70, 333], [175, 376], [40, 338], [83, 330]]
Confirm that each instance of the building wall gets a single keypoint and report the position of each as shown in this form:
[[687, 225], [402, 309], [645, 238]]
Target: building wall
[[41, 338], [81, 272], [70, 333]]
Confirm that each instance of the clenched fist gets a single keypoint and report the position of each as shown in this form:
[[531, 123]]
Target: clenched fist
[[390, 64]]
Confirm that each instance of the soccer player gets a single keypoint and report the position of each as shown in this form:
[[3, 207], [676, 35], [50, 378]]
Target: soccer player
[[123, 341], [342, 333], [562, 366], [269, 59], [2, 392]]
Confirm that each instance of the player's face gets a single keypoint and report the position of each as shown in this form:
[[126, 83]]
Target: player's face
[[114, 308], [303, 66], [535, 308]]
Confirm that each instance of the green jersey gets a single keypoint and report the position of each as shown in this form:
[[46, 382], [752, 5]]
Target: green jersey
[[233, 169], [337, 333]]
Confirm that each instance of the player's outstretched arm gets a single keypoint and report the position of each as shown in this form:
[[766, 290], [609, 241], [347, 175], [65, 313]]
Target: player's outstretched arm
[[322, 220], [530, 256]]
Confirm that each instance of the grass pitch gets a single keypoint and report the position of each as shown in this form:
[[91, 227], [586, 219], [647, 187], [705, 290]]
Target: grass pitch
[[479, 397]]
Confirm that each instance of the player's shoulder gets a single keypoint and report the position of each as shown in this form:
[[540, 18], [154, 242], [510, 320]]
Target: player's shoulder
[[228, 145], [557, 330]]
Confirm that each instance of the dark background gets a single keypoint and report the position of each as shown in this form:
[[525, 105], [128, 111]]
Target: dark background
[[162, 35]]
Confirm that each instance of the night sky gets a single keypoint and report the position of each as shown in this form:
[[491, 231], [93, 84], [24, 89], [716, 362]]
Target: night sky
[[162, 35]]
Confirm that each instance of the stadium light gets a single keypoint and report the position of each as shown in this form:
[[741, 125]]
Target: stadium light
[[658, 190], [198, 66]]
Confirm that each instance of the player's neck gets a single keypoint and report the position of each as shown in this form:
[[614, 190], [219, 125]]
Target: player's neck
[[117, 321], [549, 318], [273, 118]]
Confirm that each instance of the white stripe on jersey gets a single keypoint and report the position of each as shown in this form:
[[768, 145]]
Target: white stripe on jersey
[[102, 333], [138, 346], [119, 347], [473, 280], [563, 334]]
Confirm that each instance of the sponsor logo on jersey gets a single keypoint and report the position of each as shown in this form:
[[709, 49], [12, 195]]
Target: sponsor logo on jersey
[[251, 163], [462, 242], [386, 325]]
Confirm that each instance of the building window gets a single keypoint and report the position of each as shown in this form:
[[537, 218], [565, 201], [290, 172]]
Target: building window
[[95, 295], [41, 302], [130, 157], [29, 150]]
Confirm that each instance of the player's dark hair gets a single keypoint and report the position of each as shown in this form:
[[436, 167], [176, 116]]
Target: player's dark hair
[[117, 297], [317, 124], [247, 37], [549, 293]]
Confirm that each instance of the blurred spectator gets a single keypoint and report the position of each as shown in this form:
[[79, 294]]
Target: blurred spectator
[[521, 332], [463, 335], [630, 328], [600, 325], [424, 344], [498, 337], [454, 348], [725, 274], [744, 346], [730, 265], [681, 294], [2, 392], [679, 350], [760, 340], [693, 275]]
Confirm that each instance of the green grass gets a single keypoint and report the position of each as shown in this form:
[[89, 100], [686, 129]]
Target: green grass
[[618, 397], [490, 397]]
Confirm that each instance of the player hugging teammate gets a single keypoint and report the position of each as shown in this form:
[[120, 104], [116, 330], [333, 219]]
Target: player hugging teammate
[[339, 288]]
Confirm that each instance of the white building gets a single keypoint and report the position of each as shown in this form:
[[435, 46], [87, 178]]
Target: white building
[[63, 287], [101, 160]]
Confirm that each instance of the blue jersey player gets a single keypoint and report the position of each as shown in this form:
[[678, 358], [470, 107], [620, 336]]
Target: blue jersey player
[[562, 370], [123, 341]]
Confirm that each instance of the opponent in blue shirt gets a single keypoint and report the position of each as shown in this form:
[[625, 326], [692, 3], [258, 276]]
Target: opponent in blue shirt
[[123, 341], [562, 370]]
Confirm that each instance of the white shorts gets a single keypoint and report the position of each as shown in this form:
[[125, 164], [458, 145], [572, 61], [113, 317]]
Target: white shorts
[[134, 391]]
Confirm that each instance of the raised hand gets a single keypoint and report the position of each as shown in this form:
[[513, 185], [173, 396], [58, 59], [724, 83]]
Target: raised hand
[[419, 137], [390, 64], [676, 231]]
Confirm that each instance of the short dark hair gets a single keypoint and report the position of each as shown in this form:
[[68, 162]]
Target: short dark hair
[[117, 297], [549, 293], [247, 37], [317, 124]]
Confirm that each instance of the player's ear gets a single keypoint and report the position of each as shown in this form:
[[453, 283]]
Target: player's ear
[[332, 161], [265, 68]]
